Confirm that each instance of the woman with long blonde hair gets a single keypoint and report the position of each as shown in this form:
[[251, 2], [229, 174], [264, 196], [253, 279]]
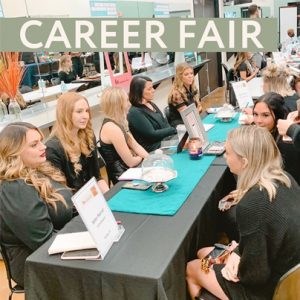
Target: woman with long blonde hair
[[72, 144], [183, 93], [66, 72], [34, 199], [118, 147], [243, 68], [268, 219], [276, 79]]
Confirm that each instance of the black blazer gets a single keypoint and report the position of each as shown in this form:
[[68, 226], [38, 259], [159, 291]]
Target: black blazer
[[90, 165]]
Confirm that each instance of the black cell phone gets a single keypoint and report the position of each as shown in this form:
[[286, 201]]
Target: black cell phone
[[140, 186]]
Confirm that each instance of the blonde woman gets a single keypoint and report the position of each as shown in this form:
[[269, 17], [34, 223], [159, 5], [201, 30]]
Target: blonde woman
[[72, 144], [184, 92], [268, 218], [243, 68], [276, 79], [66, 72], [118, 147], [34, 199]]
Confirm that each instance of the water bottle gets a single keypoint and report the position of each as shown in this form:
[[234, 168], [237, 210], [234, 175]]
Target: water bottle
[[42, 84], [63, 87], [14, 109], [3, 111]]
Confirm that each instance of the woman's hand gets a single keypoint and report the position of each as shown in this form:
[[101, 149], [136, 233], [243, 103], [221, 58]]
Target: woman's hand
[[231, 268], [226, 202]]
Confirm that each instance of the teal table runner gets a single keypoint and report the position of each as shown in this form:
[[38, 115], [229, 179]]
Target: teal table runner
[[189, 174]]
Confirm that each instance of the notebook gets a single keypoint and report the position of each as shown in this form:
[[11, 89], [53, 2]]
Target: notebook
[[196, 129]]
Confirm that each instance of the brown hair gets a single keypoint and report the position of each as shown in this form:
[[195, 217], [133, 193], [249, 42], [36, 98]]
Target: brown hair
[[13, 139]]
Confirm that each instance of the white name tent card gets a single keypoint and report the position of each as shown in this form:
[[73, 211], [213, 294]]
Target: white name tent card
[[102, 226], [242, 94]]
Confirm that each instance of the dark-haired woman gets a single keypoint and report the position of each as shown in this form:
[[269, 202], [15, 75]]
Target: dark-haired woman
[[266, 113], [146, 122]]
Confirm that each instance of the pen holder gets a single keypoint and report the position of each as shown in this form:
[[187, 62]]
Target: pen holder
[[195, 148]]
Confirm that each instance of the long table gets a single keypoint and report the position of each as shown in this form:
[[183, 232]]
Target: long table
[[150, 260]]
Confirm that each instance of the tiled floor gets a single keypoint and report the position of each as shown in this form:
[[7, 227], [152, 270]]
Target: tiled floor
[[215, 98]]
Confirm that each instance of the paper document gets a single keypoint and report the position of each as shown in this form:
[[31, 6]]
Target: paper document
[[71, 241]]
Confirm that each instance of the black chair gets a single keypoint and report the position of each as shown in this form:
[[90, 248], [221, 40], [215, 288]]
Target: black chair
[[45, 72], [14, 288], [54, 68], [103, 163], [167, 113], [231, 77]]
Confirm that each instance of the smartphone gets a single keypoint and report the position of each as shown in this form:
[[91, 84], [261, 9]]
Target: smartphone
[[298, 108], [133, 185]]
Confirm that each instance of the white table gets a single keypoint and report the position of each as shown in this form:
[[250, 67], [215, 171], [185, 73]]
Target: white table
[[48, 92]]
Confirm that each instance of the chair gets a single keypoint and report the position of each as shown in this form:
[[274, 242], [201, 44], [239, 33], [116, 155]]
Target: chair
[[45, 72], [288, 287], [231, 77], [54, 68], [102, 163], [14, 288], [167, 113]]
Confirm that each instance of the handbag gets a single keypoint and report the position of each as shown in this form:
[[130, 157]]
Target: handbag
[[216, 256]]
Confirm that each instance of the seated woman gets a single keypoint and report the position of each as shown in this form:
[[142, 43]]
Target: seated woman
[[66, 72], [243, 68], [184, 92], [275, 79], [34, 199], [118, 147], [268, 218], [266, 113], [72, 144], [146, 122]]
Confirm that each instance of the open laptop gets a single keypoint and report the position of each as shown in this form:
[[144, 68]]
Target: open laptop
[[195, 129]]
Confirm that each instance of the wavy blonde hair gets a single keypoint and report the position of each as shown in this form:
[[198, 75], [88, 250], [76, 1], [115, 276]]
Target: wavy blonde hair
[[275, 78], [179, 86], [13, 140], [114, 105], [264, 166], [63, 127], [242, 58], [62, 64]]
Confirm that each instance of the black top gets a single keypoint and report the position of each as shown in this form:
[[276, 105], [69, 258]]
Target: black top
[[90, 165], [269, 241], [290, 102], [243, 67], [174, 117], [291, 158], [67, 77], [149, 127], [294, 133], [115, 166], [26, 221]]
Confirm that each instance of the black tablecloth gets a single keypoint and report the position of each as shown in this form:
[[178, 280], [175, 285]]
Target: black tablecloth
[[150, 260]]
